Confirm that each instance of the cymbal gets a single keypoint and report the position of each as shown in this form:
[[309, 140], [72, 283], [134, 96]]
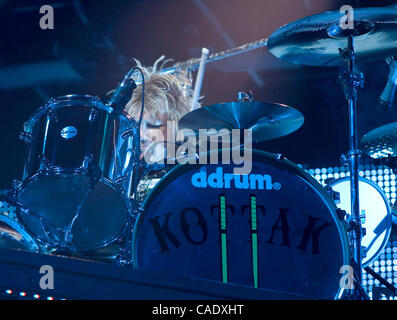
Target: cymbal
[[266, 120], [315, 40], [381, 142]]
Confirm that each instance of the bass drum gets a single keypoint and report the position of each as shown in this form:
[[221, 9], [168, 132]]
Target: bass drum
[[275, 228], [378, 217]]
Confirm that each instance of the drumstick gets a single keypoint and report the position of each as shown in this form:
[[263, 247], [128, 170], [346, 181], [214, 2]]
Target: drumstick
[[199, 79]]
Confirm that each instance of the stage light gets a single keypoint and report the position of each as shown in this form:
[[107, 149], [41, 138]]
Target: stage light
[[386, 264]]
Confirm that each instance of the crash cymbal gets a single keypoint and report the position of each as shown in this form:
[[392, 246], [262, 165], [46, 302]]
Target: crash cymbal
[[315, 40], [381, 142], [266, 120]]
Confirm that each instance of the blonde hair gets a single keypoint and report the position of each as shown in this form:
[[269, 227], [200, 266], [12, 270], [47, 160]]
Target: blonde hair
[[169, 94]]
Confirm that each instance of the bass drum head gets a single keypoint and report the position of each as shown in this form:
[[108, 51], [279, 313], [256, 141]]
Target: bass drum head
[[275, 228], [63, 205], [12, 236], [378, 217]]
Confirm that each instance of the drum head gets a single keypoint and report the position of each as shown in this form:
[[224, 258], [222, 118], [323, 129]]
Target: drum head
[[275, 228], [62, 204], [12, 236], [378, 217]]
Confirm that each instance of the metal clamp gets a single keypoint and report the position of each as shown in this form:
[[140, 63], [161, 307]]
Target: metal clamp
[[16, 183], [341, 214], [351, 81], [335, 195], [93, 115], [26, 137], [44, 162], [87, 160], [363, 216], [245, 97], [344, 158], [52, 115], [364, 251]]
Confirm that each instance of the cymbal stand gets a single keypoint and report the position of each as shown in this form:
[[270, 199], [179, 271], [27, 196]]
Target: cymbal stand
[[350, 81]]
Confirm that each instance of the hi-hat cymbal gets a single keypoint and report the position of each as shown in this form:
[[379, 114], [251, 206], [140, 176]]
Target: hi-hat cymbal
[[381, 142], [315, 40], [266, 120]]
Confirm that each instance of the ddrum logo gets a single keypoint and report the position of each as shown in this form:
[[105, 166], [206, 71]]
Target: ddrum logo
[[221, 180]]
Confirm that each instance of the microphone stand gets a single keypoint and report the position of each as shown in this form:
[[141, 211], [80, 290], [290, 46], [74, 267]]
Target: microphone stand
[[118, 102]]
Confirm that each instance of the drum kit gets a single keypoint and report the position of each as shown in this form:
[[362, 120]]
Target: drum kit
[[276, 228]]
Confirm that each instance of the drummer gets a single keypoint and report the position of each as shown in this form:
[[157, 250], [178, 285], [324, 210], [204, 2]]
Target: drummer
[[168, 97]]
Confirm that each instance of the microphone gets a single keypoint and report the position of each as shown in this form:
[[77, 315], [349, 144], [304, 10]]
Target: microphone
[[387, 97], [122, 94]]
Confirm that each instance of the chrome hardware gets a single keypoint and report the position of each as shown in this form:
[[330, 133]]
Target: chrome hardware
[[25, 136], [44, 162], [245, 97], [87, 160], [93, 115], [364, 251], [26, 133], [16, 183], [363, 216], [52, 115], [128, 133], [341, 214]]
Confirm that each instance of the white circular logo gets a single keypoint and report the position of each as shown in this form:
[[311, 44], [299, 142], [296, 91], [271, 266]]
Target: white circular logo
[[68, 132]]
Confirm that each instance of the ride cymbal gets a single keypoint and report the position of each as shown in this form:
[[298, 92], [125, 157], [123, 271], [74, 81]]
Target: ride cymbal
[[315, 40]]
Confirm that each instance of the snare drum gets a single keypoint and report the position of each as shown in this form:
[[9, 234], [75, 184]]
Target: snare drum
[[378, 217], [275, 228], [78, 156]]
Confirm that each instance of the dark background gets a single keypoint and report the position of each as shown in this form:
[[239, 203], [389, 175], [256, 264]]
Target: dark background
[[93, 43]]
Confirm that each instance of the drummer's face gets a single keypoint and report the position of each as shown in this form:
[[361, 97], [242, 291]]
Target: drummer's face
[[153, 129]]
